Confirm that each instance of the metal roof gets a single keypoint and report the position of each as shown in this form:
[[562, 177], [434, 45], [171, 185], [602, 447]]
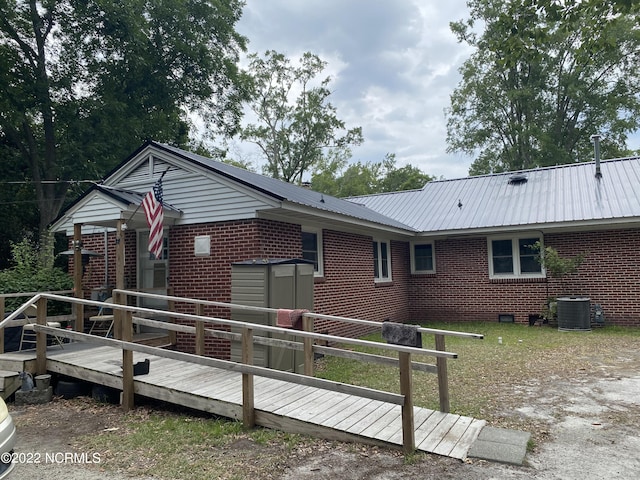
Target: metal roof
[[288, 192], [551, 196]]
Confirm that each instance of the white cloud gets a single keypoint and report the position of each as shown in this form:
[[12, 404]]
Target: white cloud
[[393, 65]]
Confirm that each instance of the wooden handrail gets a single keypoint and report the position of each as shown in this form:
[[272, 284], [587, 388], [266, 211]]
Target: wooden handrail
[[227, 365], [124, 319], [450, 333], [290, 344]]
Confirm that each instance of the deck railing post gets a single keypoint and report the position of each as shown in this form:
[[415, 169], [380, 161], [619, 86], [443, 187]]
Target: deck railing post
[[119, 299], [41, 337], [443, 381], [127, 363], [406, 389], [248, 412], [77, 276], [1, 329], [171, 304], [199, 330], [307, 326]]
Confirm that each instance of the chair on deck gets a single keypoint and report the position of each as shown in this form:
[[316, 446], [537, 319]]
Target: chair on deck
[[102, 323], [29, 335]]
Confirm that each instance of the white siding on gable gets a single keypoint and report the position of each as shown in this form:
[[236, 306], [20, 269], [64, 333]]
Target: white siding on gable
[[198, 194], [96, 210], [204, 199]]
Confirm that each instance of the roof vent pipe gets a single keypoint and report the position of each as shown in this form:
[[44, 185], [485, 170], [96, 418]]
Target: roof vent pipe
[[596, 147]]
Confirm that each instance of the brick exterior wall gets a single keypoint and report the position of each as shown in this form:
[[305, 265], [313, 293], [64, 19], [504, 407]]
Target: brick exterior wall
[[348, 288], [461, 289], [209, 278], [94, 275], [609, 275]]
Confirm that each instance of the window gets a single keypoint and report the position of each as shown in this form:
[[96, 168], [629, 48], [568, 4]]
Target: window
[[312, 249], [381, 261], [514, 257], [422, 258]]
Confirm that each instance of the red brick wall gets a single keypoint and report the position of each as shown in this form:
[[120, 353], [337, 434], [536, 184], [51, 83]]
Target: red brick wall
[[348, 288], [609, 275], [94, 275], [209, 278], [462, 291]]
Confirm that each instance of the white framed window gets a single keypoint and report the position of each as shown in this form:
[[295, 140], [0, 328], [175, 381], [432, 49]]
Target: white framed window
[[381, 261], [312, 249], [423, 258], [513, 257]]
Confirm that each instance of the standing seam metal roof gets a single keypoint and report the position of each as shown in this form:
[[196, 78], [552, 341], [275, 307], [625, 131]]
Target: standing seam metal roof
[[288, 192], [567, 193]]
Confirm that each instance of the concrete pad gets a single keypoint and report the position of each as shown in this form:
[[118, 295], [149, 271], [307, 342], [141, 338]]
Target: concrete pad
[[500, 445], [33, 397]]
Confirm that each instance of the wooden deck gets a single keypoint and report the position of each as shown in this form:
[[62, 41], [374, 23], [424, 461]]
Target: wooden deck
[[279, 405]]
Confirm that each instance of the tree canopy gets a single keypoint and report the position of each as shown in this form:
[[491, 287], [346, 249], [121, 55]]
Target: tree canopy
[[84, 82], [335, 176], [296, 125], [545, 76]]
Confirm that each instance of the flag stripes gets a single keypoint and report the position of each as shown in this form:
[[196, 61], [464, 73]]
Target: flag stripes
[[152, 205]]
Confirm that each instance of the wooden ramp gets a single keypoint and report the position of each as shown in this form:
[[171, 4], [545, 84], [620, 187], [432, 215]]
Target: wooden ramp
[[279, 405]]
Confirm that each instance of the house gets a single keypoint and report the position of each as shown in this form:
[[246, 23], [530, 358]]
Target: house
[[455, 250]]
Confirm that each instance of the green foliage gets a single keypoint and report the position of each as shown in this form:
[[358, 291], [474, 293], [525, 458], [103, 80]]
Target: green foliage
[[335, 176], [556, 265], [84, 83], [544, 77], [31, 272], [297, 124]]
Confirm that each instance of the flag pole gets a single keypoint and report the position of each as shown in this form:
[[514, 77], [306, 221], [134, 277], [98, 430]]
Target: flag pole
[[140, 204]]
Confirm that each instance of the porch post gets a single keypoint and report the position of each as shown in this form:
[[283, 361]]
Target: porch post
[[77, 276], [118, 314]]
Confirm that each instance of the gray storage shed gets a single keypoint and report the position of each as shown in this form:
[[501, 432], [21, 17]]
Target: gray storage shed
[[273, 283]]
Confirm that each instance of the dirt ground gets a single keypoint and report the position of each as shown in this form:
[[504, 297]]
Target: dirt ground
[[588, 427]]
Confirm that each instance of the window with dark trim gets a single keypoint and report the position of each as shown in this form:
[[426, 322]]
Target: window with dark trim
[[514, 257], [381, 261], [312, 248], [422, 258]]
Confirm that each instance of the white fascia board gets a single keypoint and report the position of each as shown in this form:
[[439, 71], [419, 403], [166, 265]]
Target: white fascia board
[[560, 227], [322, 216]]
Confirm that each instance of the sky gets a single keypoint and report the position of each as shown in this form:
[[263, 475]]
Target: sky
[[393, 66]]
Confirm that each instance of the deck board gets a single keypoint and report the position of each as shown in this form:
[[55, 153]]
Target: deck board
[[278, 404]]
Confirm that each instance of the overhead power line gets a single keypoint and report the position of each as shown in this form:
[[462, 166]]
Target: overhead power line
[[26, 182]]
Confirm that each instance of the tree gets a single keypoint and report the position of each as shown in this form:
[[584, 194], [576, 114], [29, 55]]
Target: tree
[[296, 124], [544, 77], [31, 272], [85, 82], [335, 176]]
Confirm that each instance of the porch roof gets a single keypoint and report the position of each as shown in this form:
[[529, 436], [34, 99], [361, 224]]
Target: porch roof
[[103, 205]]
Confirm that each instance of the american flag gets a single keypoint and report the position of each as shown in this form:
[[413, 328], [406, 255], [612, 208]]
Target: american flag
[[152, 205]]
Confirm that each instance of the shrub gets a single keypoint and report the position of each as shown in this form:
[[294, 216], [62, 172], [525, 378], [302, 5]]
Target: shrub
[[32, 271]]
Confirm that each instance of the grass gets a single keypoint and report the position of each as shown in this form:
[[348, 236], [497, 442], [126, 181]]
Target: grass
[[189, 446], [481, 378]]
